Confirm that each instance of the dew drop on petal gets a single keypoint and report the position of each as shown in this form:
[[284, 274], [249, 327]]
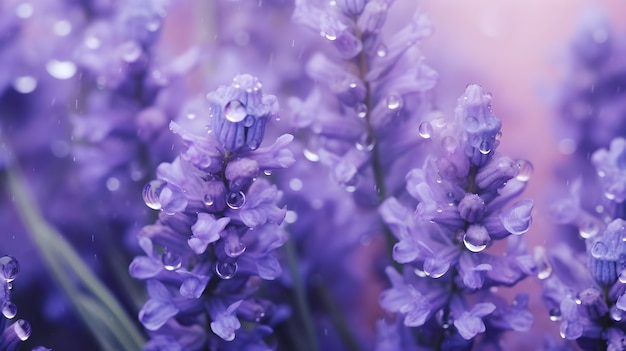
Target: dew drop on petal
[[248, 121], [588, 228], [311, 155], [381, 50], [525, 170], [555, 314], [171, 261], [425, 130], [616, 314], [365, 142], [544, 269], [226, 270], [235, 200], [267, 172], [151, 192], [9, 310], [484, 147], [622, 276], [235, 111], [131, 51], [393, 101], [235, 248], [208, 200], [361, 110], [9, 267], [22, 329], [473, 247], [599, 249]]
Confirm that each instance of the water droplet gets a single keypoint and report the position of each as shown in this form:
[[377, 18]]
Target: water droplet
[[235, 200], [92, 42], [361, 110], [25, 84], [208, 200], [420, 273], [311, 155], [609, 195], [484, 147], [588, 228], [61, 69], [555, 314], [9, 267], [171, 261], [235, 111], [9, 310], [544, 269], [425, 130], [24, 10], [267, 172], [473, 247], [393, 101], [226, 270], [525, 169], [616, 314], [329, 34], [235, 248], [622, 277], [471, 124], [248, 121], [258, 315], [366, 142], [131, 51], [151, 192], [22, 329], [599, 249], [381, 51]]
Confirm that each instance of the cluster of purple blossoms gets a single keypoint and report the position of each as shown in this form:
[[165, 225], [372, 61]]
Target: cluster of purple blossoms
[[450, 271], [586, 278], [219, 225]]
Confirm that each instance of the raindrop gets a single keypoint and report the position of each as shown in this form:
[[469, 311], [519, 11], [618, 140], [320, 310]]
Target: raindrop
[[425, 130], [434, 274], [25, 84], [311, 155], [171, 261], [555, 314], [9, 310], [472, 247], [151, 192], [622, 277], [235, 200], [420, 273], [393, 101], [248, 121], [484, 147], [226, 270], [61, 69], [9, 267], [208, 200], [235, 248], [525, 169], [366, 142], [544, 269], [588, 228], [381, 51], [267, 172], [599, 249], [131, 51], [616, 314], [22, 329], [330, 35], [361, 110], [235, 111]]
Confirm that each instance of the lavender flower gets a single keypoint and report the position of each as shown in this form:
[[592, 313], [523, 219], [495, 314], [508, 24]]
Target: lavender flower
[[463, 192], [214, 240]]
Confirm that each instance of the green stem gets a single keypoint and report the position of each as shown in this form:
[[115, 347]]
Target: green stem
[[338, 318], [63, 261], [302, 304]]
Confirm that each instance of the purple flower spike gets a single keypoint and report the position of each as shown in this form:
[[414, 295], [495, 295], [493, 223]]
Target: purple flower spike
[[611, 169]]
